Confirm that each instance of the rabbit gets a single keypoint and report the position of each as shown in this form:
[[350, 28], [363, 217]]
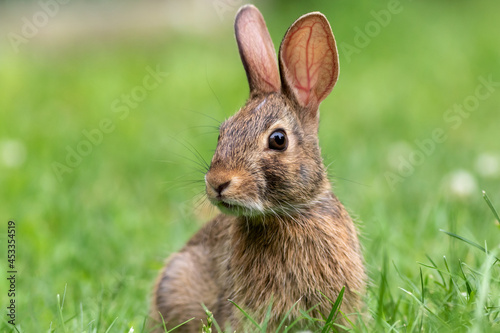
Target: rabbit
[[282, 236]]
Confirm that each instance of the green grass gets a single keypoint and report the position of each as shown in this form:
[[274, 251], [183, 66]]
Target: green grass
[[89, 246]]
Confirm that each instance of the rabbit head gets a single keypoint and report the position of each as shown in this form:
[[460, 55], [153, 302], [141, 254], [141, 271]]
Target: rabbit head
[[267, 159]]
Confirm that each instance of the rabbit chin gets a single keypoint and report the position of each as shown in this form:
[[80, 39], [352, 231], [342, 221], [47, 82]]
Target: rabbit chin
[[238, 208]]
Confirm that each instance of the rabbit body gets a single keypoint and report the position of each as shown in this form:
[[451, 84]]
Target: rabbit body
[[282, 236]]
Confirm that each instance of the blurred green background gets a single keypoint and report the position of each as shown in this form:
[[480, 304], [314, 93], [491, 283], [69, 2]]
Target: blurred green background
[[102, 227]]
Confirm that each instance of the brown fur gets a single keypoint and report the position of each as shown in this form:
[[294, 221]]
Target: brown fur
[[283, 236]]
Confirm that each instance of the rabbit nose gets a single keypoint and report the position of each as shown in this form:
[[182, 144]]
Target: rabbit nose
[[216, 184], [223, 186]]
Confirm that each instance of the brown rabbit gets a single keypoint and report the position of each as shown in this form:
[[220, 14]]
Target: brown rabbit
[[282, 236]]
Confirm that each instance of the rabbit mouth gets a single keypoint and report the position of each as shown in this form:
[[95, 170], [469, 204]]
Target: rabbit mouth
[[226, 205], [231, 208], [236, 209]]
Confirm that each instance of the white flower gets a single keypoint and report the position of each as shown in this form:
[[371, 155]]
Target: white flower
[[488, 165], [462, 183]]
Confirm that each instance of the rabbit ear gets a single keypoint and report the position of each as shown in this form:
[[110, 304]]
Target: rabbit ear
[[309, 61], [256, 51]]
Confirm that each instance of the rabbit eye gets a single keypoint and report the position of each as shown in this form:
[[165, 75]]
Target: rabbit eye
[[278, 140]]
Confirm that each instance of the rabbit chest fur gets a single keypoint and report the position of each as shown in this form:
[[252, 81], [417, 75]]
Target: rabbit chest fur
[[282, 237]]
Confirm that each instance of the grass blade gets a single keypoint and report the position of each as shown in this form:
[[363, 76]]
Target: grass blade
[[422, 285], [493, 210], [267, 317], [110, 326], [334, 311], [426, 307], [305, 316], [437, 269], [466, 241], [144, 322], [286, 315], [483, 294], [60, 306], [176, 327], [246, 315], [467, 284]]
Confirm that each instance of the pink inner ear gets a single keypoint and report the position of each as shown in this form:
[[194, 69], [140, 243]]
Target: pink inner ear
[[310, 58]]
